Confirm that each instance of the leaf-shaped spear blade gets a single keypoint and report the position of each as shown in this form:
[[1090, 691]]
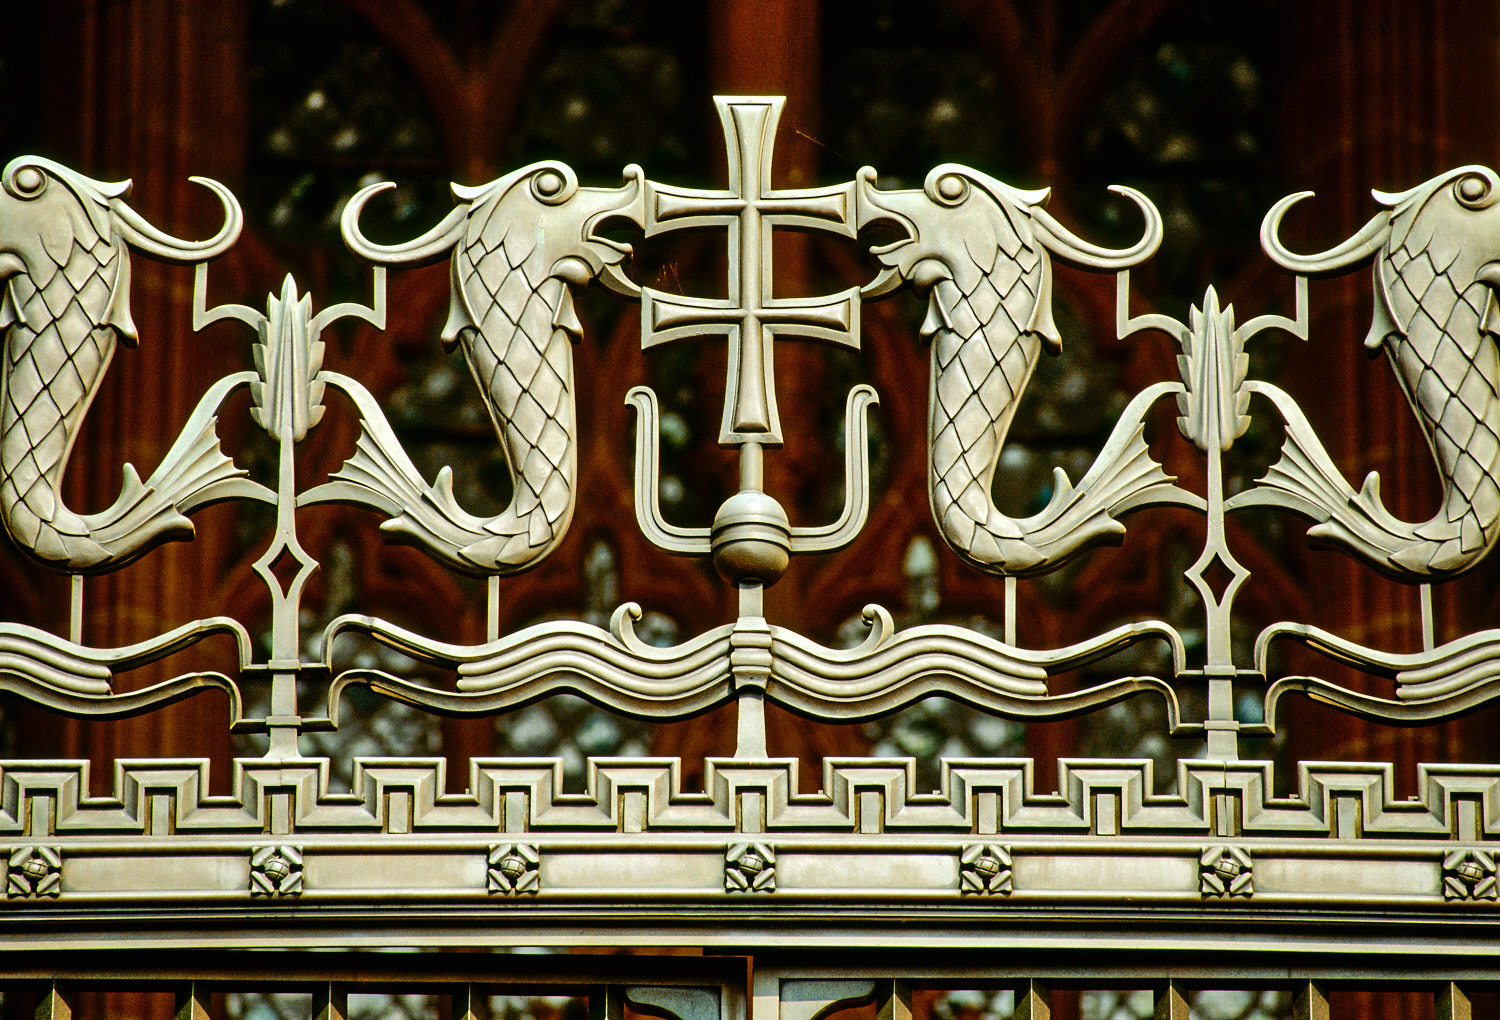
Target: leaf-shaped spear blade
[[1213, 365], [288, 359]]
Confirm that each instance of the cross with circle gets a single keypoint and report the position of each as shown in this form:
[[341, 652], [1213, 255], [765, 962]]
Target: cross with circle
[[750, 317]]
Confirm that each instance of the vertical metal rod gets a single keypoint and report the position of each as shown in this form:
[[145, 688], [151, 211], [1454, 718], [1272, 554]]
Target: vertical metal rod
[[55, 1003], [750, 732], [752, 466], [752, 599], [1424, 591], [750, 703], [192, 1002], [1223, 740], [1010, 610], [1219, 652], [465, 1003], [285, 627], [607, 1003], [285, 605], [1222, 730], [492, 609], [330, 1001], [896, 1003], [75, 610], [283, 736], [1310, 1002]]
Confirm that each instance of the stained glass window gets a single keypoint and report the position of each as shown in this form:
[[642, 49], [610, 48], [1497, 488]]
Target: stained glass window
[[333, 109]]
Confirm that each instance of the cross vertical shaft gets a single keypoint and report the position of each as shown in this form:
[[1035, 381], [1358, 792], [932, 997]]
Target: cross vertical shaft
[[750, 317]]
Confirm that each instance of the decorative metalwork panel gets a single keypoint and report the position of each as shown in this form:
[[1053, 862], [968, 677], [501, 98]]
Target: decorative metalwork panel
[[519, 249]]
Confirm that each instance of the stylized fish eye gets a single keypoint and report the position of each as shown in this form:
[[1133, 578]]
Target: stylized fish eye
[[949, 189], [27, 182], [553, 185], [1474, 190]]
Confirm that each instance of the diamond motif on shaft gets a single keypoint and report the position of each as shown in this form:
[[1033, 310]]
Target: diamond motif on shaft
[[1217, 575], [277, 560]]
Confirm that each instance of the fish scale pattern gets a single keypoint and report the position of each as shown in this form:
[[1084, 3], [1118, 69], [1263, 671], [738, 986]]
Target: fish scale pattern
[[981, 252], [983, 355], [54, 356], [985, 275], [522, 360], [1448, 368]]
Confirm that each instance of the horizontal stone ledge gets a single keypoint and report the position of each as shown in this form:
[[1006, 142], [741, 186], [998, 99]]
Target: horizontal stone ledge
[[887, 871], [854, 844]]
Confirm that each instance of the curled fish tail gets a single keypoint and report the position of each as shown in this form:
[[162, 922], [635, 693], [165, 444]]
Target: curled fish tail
[[516, 247], [1435, 281], [66, 308]]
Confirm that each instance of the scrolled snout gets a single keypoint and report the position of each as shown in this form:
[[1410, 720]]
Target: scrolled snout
[[30, 180], [874, 204], [430, 247], [142, 236], [1063, 243], [1351, 252]]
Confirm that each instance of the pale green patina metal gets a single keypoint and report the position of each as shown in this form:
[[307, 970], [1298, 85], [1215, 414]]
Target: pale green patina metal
[[750, 864]]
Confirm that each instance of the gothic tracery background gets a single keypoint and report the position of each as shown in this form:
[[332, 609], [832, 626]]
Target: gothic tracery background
[[1212, 110]]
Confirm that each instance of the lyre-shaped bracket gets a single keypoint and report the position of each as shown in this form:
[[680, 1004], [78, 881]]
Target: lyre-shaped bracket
[[751, 539], [689, 541]]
